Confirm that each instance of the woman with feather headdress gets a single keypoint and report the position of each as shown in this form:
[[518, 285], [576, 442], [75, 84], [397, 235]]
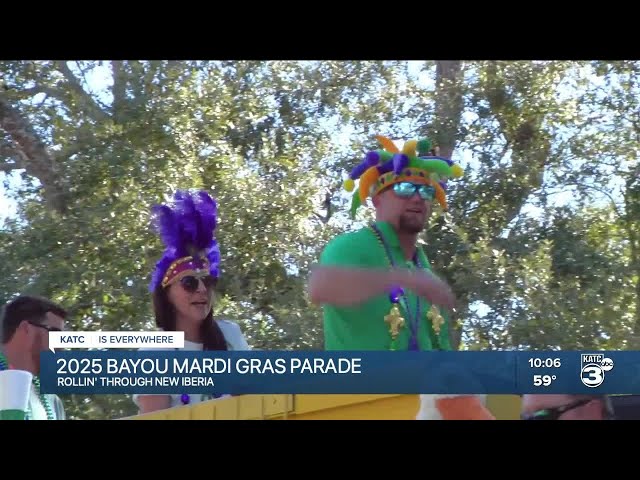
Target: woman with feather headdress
[[183, 285]]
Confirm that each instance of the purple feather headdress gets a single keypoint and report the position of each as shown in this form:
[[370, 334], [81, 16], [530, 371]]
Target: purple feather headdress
[[187, 228]]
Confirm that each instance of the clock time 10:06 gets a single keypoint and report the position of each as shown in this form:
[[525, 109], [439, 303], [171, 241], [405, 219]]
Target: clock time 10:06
[[544, 363]]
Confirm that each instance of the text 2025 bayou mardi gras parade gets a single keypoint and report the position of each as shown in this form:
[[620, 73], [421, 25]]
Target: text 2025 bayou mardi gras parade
[[372, 372]]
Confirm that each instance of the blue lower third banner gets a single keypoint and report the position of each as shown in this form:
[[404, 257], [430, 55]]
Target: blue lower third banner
[[289, 372]]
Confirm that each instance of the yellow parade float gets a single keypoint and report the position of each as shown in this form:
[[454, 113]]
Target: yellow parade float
[[318, 407]]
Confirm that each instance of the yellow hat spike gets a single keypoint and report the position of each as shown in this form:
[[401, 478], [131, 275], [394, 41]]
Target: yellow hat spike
[[457, 171], [349, 185], [409, 148]]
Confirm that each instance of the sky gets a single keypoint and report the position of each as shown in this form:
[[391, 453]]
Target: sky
[[7, 206]]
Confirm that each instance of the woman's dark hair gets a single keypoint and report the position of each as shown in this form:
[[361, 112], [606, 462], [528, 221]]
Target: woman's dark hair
[[165, 313]]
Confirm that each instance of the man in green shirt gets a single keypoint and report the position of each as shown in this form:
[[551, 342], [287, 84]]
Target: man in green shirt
[[375, 285]]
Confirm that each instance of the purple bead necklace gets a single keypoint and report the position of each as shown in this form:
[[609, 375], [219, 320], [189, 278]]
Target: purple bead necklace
[[397, 296]]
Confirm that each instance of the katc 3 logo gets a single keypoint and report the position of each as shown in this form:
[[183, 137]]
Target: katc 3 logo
[[593, 367]]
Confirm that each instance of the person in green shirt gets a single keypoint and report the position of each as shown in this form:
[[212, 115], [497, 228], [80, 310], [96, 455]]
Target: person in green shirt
[[375, 284]]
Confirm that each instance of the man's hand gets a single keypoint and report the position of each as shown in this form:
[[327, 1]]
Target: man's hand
[[429, 286]]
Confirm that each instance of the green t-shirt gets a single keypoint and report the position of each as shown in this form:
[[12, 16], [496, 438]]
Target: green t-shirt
[[363, 326]]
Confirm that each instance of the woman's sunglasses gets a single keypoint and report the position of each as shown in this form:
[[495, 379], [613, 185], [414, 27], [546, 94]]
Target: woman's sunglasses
[[190, 283], [408, 190]]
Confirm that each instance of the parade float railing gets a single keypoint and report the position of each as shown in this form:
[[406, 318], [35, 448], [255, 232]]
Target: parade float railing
[[318, 407]]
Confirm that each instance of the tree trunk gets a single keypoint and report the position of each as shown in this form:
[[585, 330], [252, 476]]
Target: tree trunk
[[448, 108]]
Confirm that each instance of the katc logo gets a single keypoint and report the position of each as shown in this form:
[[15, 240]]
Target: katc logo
[[593, 367]]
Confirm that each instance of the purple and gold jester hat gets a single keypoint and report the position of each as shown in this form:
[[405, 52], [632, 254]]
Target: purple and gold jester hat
[[187, 229], [417, 162]]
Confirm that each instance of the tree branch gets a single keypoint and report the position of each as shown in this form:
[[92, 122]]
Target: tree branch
[[7, 167], [119, 89], [30, 92], [32, 154], [496, 95], [82, 141], [599, 190], [448, 110], [8, 151], [83, 97], [449, 105]]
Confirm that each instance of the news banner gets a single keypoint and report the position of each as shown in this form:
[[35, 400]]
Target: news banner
[[140, 362]]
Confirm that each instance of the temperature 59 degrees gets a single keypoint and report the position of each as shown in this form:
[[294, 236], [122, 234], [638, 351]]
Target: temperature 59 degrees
[[543, 380]]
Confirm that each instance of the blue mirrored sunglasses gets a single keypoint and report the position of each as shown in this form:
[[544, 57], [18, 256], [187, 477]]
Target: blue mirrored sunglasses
[[408, 190]]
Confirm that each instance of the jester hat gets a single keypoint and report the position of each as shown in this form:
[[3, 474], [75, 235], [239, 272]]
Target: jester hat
[[417, 163], [187, 229]]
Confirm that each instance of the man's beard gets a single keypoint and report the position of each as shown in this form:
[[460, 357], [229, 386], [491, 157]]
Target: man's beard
[[411, 224]]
